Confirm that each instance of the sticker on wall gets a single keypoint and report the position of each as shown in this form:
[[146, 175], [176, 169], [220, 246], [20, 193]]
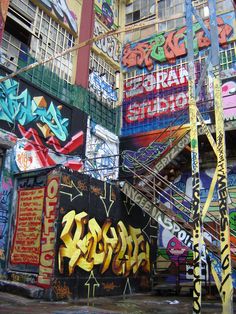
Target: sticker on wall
[[26, 160]]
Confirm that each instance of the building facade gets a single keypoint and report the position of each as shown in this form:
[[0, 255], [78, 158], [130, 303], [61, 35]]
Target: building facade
[[70, 132]]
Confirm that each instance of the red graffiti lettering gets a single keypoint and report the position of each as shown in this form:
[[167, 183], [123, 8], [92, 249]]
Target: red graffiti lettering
[[150, 109], [168, 47], [42, 151], [224, 31], [139, 56], [173, 47], [156, 81]]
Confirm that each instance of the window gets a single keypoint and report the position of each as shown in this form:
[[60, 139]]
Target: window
[[105, 90], [29, 30], [170, 14], [139, 9]]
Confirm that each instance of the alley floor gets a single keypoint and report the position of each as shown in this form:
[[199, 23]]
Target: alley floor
[[132, 304]]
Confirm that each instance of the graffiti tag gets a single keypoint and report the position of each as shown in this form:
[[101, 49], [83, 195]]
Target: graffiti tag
[[101, 87], [109, 45], [156, 214]]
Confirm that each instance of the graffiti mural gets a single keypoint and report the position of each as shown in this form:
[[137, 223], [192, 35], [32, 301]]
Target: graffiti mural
[[109, 45], [102, 153], [158, 99], [167, 258], [83, 251], [82, 234], [98, 85], [168, 47], [147, 148], [107, 12], [102, 238], [49, 129], [64, 11]]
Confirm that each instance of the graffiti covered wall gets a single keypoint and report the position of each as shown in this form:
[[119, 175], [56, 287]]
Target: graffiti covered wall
[[157, 96], [48, 129], [105, 244], [109, 45], [168, 47], [102, 153], [86, 241], [173, 256]]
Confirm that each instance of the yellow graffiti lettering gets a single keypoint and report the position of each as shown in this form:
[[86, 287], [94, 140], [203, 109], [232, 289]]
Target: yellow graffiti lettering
[[125, 251], [109, 244]]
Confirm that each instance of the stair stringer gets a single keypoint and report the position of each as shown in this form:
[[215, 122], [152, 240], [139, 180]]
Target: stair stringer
[[168, 221]]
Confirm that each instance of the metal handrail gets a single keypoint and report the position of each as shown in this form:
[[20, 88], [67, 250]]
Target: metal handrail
[[172, 187]]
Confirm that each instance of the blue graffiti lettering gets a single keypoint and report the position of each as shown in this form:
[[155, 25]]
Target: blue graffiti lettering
[[23, 109], [143, 155], [99, 84]]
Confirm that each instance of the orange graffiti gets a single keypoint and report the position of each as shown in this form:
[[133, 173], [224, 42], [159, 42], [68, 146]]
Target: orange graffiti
[[138, 56]]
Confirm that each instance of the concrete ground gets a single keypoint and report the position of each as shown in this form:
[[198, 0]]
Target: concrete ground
[[132, 304]]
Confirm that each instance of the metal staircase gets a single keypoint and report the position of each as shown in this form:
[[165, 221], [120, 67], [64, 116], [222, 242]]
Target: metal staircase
[[150, 196]]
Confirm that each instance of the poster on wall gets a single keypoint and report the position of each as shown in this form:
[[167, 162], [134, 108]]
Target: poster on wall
[[26, 241], [49, 128]]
